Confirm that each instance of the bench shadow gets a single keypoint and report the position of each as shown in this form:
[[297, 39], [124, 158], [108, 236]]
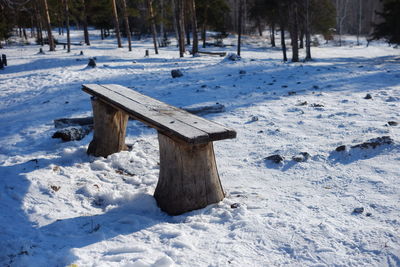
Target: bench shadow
[[22, 239], [135, 215]]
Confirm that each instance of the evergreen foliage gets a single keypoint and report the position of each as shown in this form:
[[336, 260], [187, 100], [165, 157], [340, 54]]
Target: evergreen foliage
[[389, 29]]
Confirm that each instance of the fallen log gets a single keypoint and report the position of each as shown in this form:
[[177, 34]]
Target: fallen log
[[65, 122], [64, 43], [221, 54], [215, 108]]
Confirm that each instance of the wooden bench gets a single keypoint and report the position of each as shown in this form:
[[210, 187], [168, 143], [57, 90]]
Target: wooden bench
[[188, 178]]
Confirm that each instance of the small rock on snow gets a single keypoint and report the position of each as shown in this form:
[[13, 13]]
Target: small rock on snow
[[340, 148], [393, 123], [368, 96], [176, 73], [358, 210], [235, 205], [275, 158], [301, 157]]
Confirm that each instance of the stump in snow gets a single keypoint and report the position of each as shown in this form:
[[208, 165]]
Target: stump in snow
[[4, 59], [92, 62], [176, 73], [109, 130], [146, 53], [81, 53], [41, 51]]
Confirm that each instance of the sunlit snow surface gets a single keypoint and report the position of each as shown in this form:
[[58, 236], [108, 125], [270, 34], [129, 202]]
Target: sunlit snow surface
[[61, 207]]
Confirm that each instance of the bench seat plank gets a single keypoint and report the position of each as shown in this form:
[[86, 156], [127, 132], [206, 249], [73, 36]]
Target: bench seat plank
[[214, 130], [167, 119]]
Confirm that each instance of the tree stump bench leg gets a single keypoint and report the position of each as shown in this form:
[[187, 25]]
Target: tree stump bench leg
[[109, 126], [188, 178]]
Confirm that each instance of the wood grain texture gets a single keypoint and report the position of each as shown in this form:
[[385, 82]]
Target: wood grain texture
[[167, 119], [188, 178], [109, 130]]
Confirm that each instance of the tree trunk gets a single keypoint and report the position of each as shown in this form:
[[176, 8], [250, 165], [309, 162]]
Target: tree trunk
[[283, 44], [308, 33], [301, 38], [188, 178], [240, 17], [181, 32], [127, 28], [186, 21], [273, 34], [359, 21], [162, 32], [204, 28], [175, 21], [39, 27], [195, 46], [294, 31], [109, 130], [153, 24], [260, 33], [116, 23], [48, 25], [85, 23], [66, 12]]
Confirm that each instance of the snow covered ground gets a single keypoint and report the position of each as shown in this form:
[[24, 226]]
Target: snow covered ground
[[60, 207]]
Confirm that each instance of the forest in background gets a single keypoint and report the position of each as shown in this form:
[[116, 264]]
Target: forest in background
[[189, 21]]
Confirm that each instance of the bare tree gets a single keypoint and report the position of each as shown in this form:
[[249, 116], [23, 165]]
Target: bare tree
[[152, 24], [48, 25], [359, 21], [39, 27], [85, 23], [294, 31], [179, 14], [240, 18], [192, 8], [116, 23], [341, 14], [307, 30], [66, 14], [282, 10], [127, 28]]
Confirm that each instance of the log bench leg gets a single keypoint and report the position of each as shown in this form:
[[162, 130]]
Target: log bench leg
[[109, 129], [188, 179]]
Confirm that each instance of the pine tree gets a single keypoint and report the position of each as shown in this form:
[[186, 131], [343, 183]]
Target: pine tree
[[389, 29]]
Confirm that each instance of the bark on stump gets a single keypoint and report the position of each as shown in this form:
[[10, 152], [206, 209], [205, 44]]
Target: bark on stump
[[109, 130], [188, 178]]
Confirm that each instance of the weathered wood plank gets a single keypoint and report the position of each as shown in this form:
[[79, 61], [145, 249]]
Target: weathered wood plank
[[189, 177], [165, 118], [214, 130], [165, 124], [109, 130]]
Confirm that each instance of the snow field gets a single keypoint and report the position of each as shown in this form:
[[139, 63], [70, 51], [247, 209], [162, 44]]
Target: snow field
[[62, 207]]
